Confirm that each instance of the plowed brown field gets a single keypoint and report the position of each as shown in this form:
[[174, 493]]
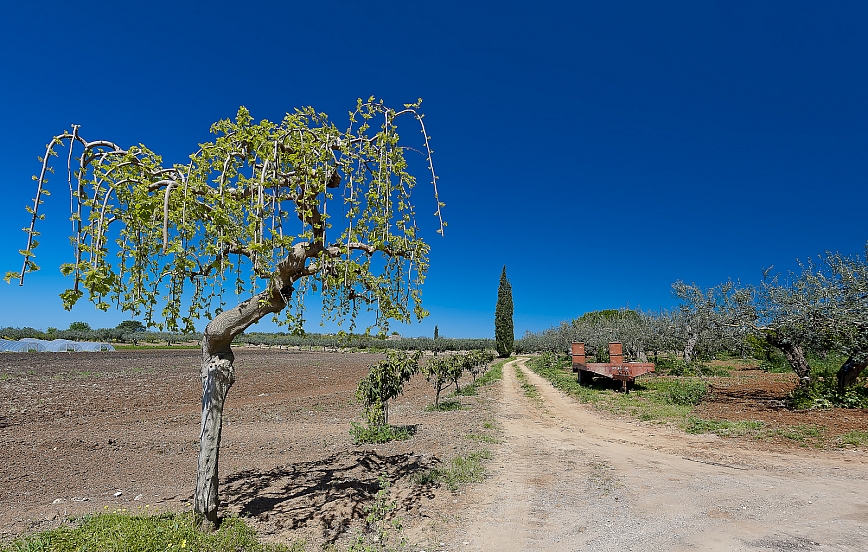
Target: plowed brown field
[[76, 429]]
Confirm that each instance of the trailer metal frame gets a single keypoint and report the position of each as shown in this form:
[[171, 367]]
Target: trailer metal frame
[[616, 368]]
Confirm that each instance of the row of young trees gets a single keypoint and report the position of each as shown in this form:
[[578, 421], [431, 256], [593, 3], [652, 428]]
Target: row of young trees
[[441, 371], [386, 379], [820, 308]]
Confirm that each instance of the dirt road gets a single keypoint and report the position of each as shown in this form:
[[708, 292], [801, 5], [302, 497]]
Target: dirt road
[[567, 478]]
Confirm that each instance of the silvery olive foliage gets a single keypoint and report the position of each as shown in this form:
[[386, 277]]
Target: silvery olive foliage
[[704, 322], [634, 329]]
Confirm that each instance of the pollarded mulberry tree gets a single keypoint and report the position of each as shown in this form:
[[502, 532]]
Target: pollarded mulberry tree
[[270, 209]]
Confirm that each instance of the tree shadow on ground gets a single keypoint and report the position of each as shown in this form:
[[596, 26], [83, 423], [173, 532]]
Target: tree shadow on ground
[[329, 493]]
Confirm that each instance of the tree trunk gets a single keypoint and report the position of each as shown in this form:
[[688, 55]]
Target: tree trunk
[[848, 373], [795, 355], [218, 374], [690, 346]]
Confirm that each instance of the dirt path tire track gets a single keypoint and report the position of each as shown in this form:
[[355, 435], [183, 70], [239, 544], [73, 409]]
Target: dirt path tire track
[[566, 478]]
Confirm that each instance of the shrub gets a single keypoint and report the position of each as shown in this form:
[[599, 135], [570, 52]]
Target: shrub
[[685, 392], [823, 392]]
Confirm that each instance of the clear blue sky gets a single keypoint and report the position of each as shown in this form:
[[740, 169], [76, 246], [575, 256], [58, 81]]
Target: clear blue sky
[[600, 150]]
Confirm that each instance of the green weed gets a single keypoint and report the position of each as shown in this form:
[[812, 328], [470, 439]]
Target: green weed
[[800, 432], [724, 428], [482, 438], [444, 406], [823, 392], [378, 526], [380, 433], [684, 392], [856, 438], [464, 469], [466, 391], [530, 390]]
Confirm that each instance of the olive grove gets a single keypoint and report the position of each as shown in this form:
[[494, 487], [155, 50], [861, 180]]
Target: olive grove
[[819, 309], [269, 210]]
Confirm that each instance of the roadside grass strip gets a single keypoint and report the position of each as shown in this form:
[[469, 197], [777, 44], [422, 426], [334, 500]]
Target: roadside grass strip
[[724, 428], [805, 435], [671, 400], [493, 374], [144, 532]]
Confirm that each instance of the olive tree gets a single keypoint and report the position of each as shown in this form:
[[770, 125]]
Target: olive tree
[[822, 307], [270, 209], [704, 322]]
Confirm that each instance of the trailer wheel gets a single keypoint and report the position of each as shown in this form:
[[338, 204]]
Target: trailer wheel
[[584, 377]]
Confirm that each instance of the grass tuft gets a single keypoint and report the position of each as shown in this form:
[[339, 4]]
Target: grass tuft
[[444, 406], [724, 428], [685, 392], [530, 390], [464, 469]]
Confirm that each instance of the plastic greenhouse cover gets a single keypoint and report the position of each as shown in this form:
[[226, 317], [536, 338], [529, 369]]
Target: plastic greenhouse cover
[[54, 346]]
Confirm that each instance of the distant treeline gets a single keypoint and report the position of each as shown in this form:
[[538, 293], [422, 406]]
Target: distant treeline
[[103, 335], [79, 331], [356, 341]]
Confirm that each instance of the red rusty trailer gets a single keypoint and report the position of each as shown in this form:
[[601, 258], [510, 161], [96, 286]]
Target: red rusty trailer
[[615, 369]]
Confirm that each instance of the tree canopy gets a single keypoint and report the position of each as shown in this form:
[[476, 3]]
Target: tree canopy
[[261, 205]]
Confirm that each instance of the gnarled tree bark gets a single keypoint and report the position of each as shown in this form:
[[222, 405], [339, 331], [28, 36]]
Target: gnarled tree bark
[[794, 354], [690, 345]]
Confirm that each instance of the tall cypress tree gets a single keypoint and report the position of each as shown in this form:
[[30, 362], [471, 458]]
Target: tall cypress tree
[[504, 335]]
